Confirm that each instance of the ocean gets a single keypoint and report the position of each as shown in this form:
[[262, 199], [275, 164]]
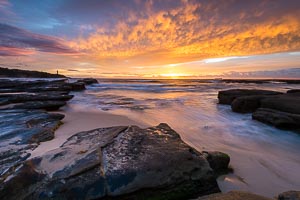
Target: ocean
[[265, 160]]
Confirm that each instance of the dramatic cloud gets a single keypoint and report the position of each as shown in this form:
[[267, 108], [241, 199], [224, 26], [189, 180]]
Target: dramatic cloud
[[15, 41], [190, 30]]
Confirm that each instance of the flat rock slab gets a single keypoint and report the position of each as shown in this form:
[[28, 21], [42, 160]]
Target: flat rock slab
[[22, 130], [240, 195], [46, 105], [234, 195], [49, 96], [117, 162]]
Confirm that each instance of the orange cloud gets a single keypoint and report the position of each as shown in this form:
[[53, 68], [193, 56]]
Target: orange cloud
[[192, 31]]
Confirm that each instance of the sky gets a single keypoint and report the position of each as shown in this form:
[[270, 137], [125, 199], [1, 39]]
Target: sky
[[152, 38]]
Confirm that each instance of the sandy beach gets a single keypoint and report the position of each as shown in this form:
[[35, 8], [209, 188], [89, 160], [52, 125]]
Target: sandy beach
[[77, 120]]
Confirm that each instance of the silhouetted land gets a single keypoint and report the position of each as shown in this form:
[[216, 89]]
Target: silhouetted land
[[18, 73]]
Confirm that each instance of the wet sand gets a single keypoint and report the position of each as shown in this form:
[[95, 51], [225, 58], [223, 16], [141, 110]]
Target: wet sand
[[78, 120], [265, 160]]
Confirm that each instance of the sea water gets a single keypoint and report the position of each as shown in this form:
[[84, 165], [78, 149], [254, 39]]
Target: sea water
[[265, 160]]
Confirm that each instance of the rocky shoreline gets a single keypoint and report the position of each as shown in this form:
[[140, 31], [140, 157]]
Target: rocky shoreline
[[281, 110], [25, 121], [120, 162], [116, 162]]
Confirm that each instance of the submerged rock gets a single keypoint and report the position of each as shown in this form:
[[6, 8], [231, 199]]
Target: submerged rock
[[116, 162], [234, 195]]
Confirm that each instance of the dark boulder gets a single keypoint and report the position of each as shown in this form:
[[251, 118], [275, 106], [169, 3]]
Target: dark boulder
[[282, 120], [289, 102], [278, 109], [289, 195], [218, 161], [77, 86], [286, 103], [117, 162], [246, 104], [227, 96]]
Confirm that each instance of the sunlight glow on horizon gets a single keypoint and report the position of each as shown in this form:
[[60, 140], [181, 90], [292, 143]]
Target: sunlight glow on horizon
[[230, 68]]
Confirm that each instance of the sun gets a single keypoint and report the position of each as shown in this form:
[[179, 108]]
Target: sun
[[173, 75]]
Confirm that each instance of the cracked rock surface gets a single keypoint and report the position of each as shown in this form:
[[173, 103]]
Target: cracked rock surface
[[124, 162]]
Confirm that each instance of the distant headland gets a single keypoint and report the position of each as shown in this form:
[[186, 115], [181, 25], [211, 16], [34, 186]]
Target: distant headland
[[18, 73]]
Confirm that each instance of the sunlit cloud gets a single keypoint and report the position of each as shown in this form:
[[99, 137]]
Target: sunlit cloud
[[215, 60], [151, 38], [295, 53], [191, 32]]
